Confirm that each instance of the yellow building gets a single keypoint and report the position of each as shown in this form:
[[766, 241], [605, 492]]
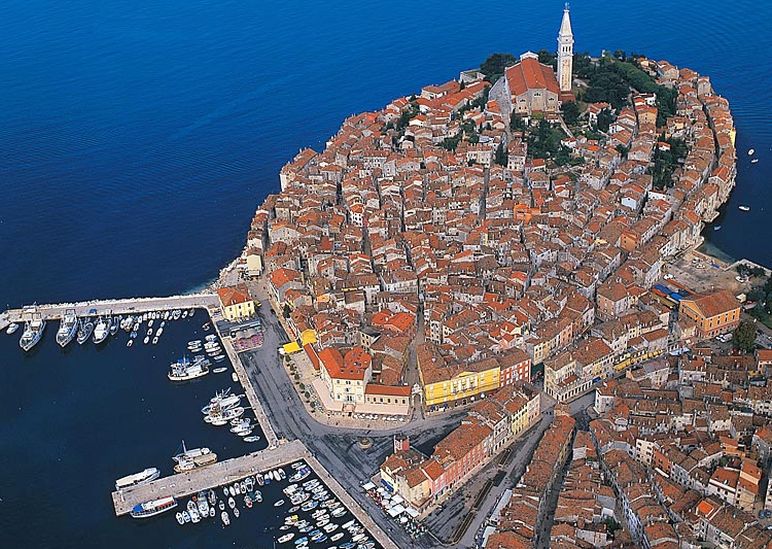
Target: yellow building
[[236, 303], [445, 383], [715, 313]]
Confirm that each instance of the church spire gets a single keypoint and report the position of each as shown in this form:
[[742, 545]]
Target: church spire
[[565, 24], [565, 52]]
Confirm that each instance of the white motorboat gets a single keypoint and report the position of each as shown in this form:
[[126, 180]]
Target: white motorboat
[[146, 340], [12, 327], [251, 438], [153, 507], [101, 330], [754, 160], [180, 518], [84, 331], [143, 477], [225, 518], [744, 208], [68, 328], [33, 331], [751, 152], [286, 537], [184, 370]]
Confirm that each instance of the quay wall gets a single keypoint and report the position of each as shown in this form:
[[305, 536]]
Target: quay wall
[[111, 307]]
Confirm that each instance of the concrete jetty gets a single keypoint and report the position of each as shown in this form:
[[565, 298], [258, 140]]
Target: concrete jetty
[[232, 470], [105, 307], [204, 478]]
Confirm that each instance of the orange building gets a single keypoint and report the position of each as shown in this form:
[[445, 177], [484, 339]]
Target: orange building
[[714, 313]]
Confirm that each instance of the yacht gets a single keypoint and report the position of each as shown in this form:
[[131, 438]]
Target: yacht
[[153, 507], [101, 330], [68, 328], [143, 477], [84, 331], [230, 401], [12, 327], [33, 331]]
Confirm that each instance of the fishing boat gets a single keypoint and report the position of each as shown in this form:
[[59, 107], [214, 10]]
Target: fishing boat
[[84, 331], [12, 327], [184, 370], [744, 208], [193, 458], [101, 330], [33, 331], [143, 477], [68, 328], [153, 507]]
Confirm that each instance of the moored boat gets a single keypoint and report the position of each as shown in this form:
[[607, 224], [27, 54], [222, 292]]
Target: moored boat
[[101, 330], [68, 328], [33, 331], [84, 331], [12, 327], [153, 507], [143, 477]]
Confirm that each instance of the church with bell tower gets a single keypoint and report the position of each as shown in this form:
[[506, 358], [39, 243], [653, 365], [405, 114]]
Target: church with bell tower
[[565, 52]]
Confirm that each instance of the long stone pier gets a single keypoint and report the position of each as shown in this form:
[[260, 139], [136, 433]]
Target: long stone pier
[[232, 470], [104, 307]]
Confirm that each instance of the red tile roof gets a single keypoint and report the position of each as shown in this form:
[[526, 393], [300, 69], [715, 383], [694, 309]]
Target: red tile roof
[[233, 295], [530, 74]]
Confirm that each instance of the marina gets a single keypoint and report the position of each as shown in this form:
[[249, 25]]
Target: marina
[[229, 479]]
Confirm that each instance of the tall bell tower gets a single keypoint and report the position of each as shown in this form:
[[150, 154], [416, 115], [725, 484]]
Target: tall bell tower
[[565, 52]]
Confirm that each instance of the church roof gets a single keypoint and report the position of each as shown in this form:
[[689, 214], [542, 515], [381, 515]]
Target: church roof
[[529, 74]]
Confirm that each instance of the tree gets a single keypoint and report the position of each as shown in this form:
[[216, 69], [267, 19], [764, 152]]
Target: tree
[[502, 157], [570, 112], [744, 337], [605, 118], [287, 310], [583, 65], [622, 150], [494, 66], [516, 123], [548, 58]]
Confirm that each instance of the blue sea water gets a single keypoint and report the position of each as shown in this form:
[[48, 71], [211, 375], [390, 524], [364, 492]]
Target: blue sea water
[[136, 140]]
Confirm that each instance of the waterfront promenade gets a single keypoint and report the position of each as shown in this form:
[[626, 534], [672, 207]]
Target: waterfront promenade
[[105, 307], [257, 407]]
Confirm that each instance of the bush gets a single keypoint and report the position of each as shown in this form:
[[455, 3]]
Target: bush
[[744, 337]]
